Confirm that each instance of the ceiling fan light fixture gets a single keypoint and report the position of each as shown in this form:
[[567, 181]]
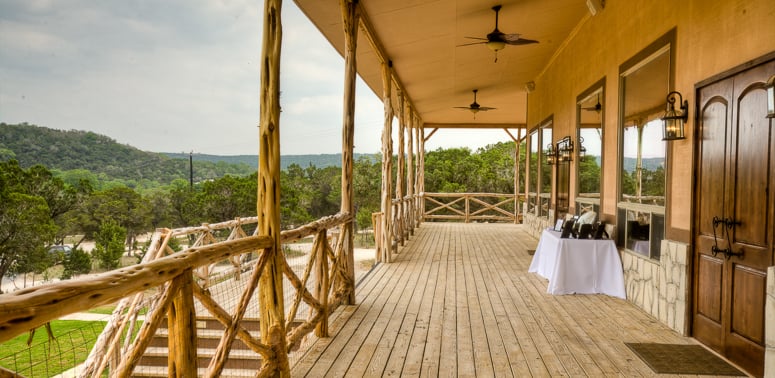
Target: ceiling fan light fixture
[[496, 45]]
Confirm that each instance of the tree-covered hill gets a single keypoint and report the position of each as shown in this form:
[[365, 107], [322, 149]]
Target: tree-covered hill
[[100, 155], [317, 160]]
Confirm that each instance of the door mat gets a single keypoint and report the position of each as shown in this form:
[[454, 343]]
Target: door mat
[[682, 359]]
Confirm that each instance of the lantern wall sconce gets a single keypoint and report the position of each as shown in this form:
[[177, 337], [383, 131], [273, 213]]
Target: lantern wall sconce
[[565, 150], [551, 154], [770, 87], [673, 120]]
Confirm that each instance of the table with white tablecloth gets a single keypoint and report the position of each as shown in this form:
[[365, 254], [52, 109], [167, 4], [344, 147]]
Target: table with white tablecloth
[[578, 266]]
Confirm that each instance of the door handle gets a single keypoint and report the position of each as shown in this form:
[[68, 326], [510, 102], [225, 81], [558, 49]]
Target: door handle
[[727, 225]]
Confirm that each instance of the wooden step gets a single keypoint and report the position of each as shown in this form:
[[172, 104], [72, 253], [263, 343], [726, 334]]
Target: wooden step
[[161, 372], [238, 358]]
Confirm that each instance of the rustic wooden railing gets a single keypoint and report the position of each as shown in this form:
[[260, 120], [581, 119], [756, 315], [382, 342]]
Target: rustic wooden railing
[[168, 281], [469, 207]]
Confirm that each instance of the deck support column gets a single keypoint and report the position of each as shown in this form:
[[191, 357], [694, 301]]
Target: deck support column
[[386, 203], [400, 171], [410, 211], [417, 175], [421, 170], [350, 23], [270, 295], [181, 322], [516, 176]]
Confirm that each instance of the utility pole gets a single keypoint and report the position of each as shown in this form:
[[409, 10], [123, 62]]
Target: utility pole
[[191, 169]]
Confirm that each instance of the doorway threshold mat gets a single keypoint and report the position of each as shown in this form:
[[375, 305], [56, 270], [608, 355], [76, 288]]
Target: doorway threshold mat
[[682, 359]]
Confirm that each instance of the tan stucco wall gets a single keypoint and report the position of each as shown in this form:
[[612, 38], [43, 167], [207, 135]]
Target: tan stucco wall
[[712, 36]]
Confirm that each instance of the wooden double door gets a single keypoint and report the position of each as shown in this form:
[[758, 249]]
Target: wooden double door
[[735, 216]]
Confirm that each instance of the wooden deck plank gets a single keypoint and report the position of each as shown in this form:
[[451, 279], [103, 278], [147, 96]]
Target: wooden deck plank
[[409, 324], [347, 348], [458, 301], [431, 357], [448, 347], [419, 338], [387, 337], [483, 255]]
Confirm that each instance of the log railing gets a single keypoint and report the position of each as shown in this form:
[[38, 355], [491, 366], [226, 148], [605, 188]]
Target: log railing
[[469, 207], [165, 284]]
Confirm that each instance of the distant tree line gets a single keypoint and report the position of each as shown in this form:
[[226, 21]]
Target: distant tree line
[[40, 208]]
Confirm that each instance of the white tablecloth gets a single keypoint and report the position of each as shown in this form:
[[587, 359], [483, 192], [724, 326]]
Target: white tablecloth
[[575, 266]]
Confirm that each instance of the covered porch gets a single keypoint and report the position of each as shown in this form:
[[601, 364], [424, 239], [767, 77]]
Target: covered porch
[[458, 301]]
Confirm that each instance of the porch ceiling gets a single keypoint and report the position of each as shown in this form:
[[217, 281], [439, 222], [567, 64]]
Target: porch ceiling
[[422, 38]]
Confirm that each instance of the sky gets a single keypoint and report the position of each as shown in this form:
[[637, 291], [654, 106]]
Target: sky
[[181, 76]]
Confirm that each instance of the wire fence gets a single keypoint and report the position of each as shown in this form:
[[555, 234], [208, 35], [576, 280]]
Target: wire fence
[[52, 356]]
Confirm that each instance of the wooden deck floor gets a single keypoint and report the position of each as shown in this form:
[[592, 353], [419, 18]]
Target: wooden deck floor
[[458, 301]]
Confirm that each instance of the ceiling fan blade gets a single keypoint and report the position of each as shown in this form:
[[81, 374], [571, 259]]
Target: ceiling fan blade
[[472, 43], [520, 41], [462, 107], [479, 38]]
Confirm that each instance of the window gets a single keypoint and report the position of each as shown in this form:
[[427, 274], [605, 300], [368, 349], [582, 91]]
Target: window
[[589, 110], [545, 181], [532, 189], [540, 174], [645, 81]]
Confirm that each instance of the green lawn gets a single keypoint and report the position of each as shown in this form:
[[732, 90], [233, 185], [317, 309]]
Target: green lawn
[[73, 341]]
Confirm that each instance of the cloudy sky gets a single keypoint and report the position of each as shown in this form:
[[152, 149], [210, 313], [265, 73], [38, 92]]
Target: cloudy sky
[[179, 76]]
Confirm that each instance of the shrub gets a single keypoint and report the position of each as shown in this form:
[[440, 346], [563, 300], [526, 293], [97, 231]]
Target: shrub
[[109, 244], [77, 262]]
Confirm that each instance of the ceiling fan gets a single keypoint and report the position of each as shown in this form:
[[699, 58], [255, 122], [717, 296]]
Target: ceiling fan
[[497, 40], [597, 108], [475, 107]]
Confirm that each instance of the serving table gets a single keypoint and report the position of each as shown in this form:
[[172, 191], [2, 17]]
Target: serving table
[[578, 266]]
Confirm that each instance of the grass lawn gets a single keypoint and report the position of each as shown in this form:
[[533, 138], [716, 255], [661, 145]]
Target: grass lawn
[[73, 341]]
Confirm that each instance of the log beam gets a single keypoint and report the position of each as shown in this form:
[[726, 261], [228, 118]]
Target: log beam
[[386, 205], [271, 299], [410, 174], [349, 10], [400, 170], [181, 323]]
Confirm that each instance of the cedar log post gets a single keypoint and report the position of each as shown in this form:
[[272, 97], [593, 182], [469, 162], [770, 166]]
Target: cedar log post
[[322, 284], [350, 23], [421, 169], [181, 322], [387, 164], [400, 169], [410, 176], [270, 296], [516, 176], [417, 175]]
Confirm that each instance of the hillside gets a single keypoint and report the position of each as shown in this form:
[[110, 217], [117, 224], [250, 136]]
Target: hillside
[[83, 150], [319, 160], [77, 150]]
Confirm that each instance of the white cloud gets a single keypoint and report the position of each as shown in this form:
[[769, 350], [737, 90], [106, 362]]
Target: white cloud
[[174, 76]]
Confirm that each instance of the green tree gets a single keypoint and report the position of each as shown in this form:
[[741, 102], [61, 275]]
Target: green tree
[[109, 244], [78, 262], [25, 223]]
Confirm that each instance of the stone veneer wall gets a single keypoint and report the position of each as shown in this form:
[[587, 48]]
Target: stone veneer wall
[[660, 288], [769, 325], [535, 225]]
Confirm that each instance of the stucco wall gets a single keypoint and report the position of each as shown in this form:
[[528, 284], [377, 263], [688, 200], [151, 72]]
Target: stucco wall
[[711, 36]]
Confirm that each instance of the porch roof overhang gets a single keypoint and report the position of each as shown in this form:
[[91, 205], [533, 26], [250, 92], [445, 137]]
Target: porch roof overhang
[[423, 38]]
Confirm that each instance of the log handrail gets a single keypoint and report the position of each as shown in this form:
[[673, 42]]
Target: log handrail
[[25, 309], [161, 268], [469, 207]]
